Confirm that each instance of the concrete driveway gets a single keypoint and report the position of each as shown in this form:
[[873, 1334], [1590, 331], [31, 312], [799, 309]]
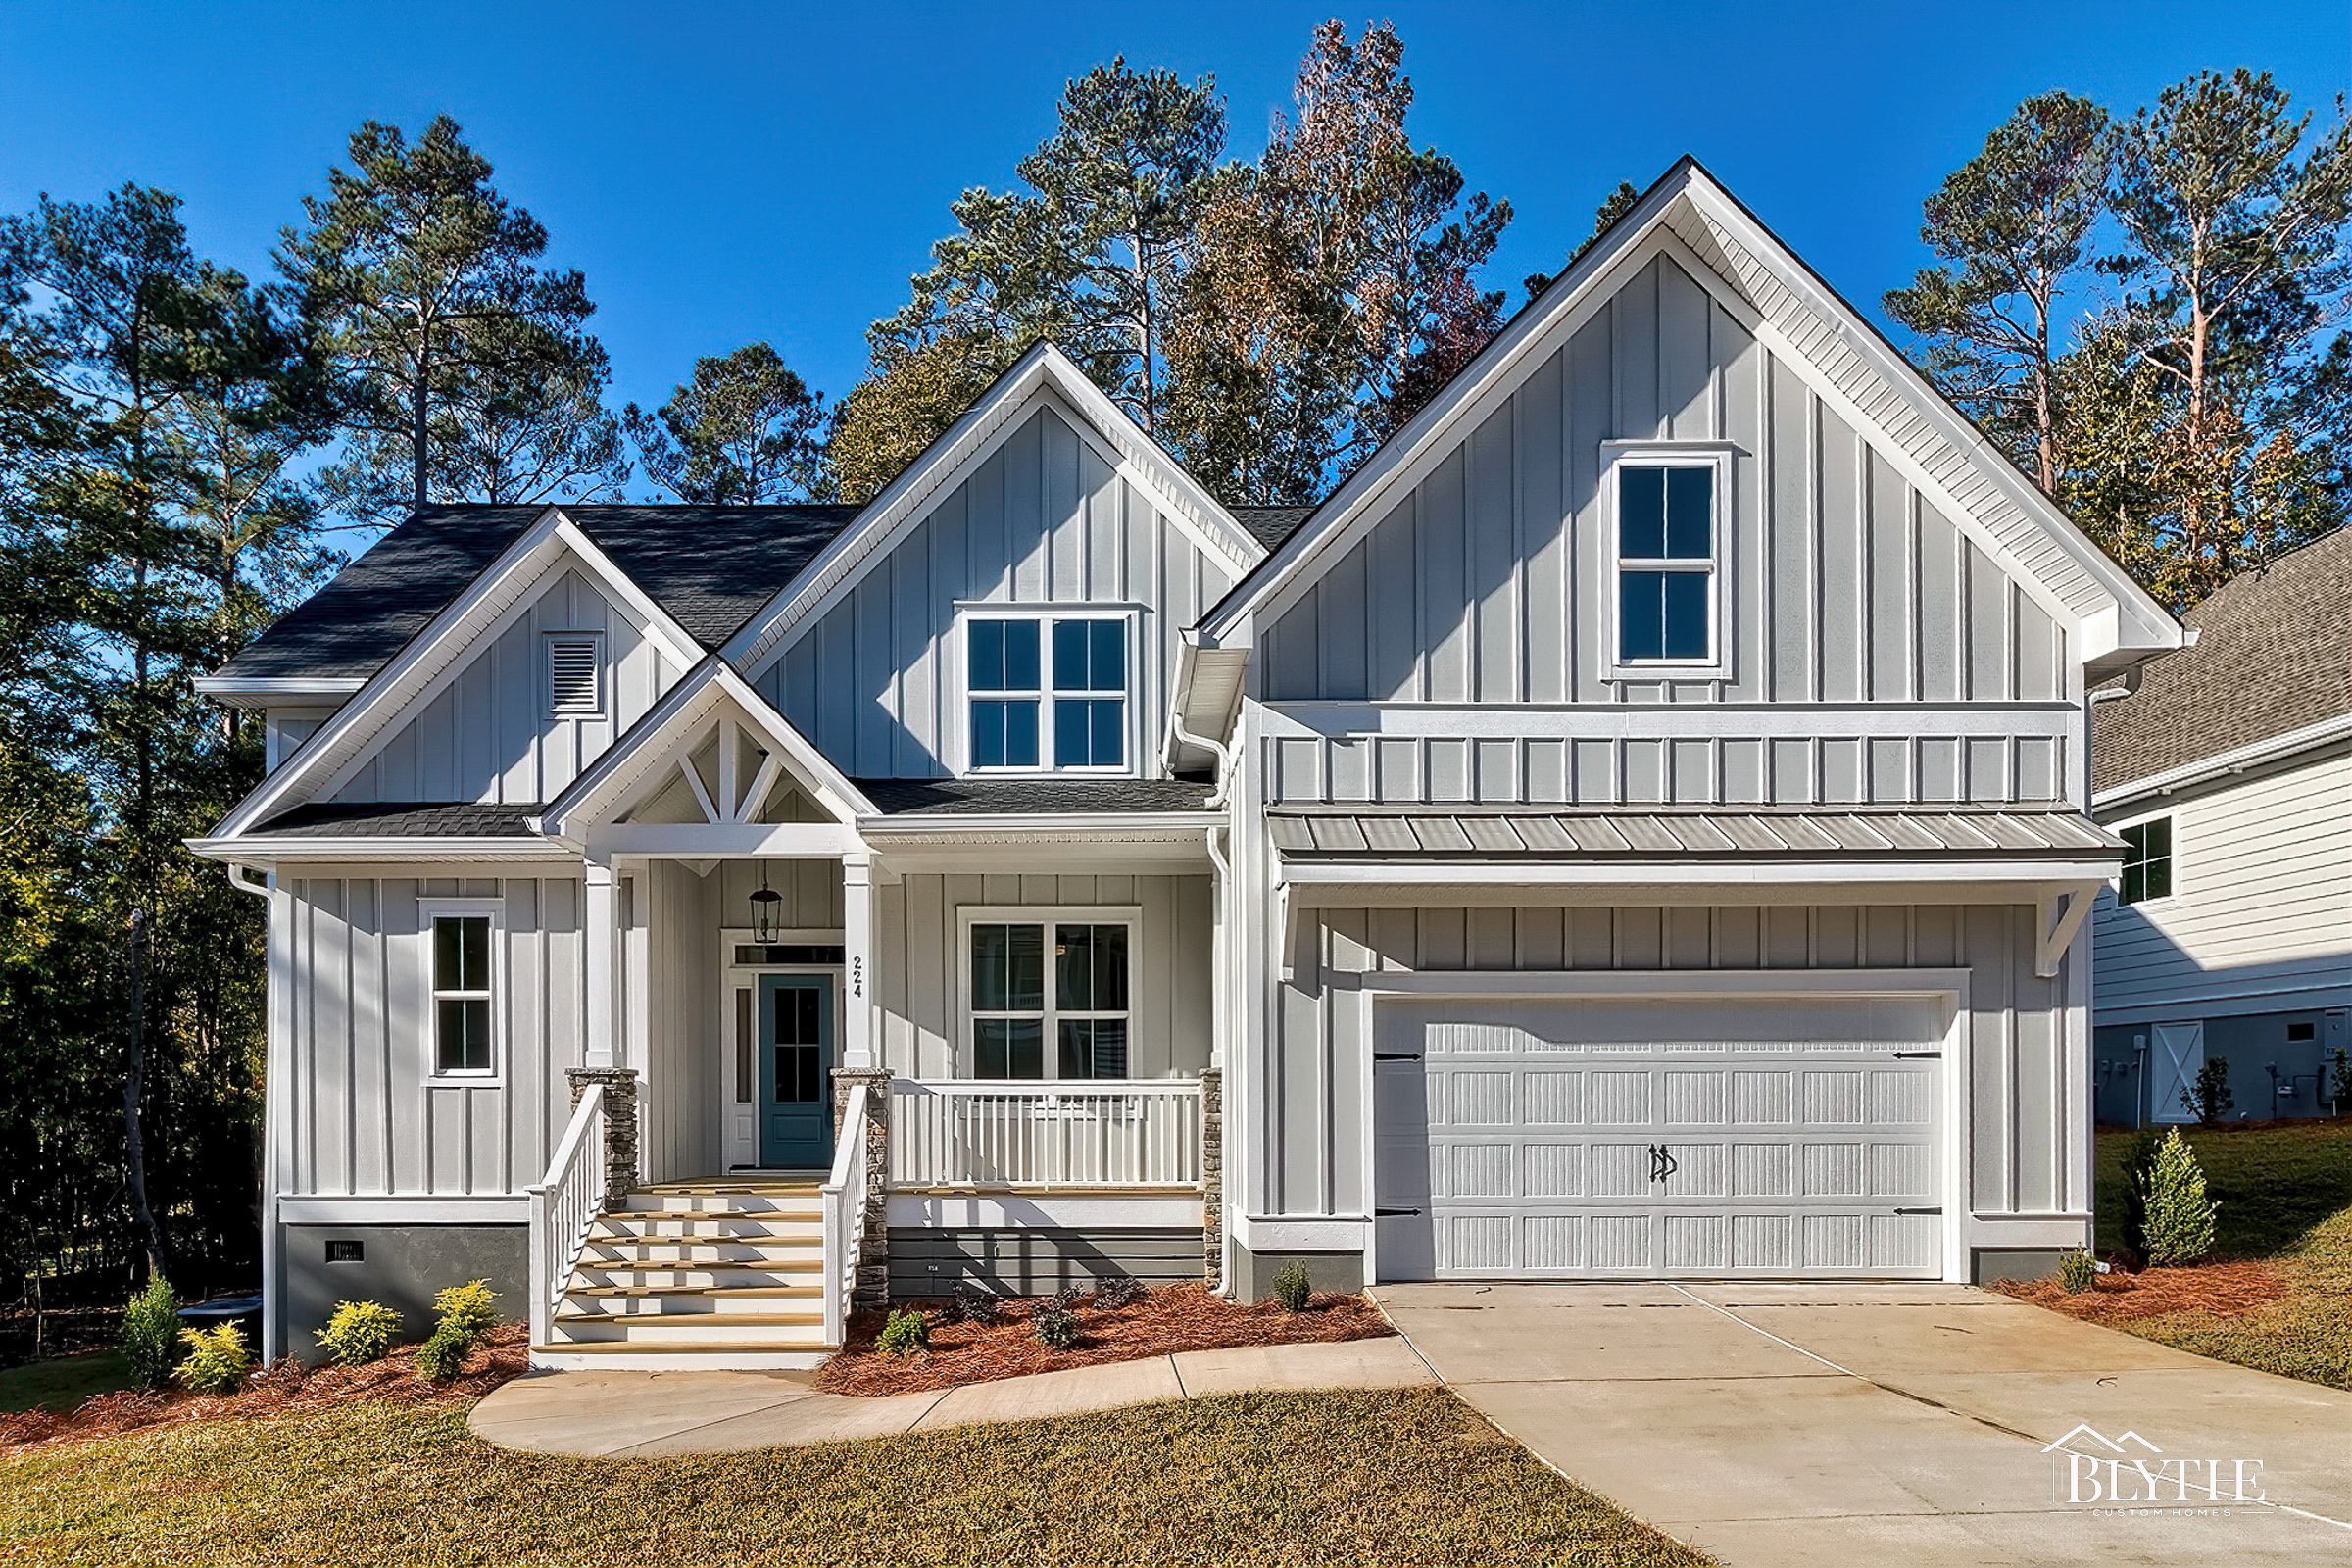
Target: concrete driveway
[[1804, 1425]]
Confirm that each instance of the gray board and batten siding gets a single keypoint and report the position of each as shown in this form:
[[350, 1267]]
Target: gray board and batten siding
[[1314, 1106], [1846, 590], [488, 733], [1044, 521]]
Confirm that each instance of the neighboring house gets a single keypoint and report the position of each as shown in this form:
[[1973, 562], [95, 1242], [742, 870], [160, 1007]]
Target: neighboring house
[[1633, 828], [2227, 771]]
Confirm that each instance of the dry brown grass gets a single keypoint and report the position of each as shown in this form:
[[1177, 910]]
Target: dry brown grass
[[1172, 1318], [286, 1387]]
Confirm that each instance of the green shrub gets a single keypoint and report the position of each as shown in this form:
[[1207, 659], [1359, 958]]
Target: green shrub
[[2075, 1271], [907, 1333], [151, 1334], [2209, 1097], [1055, 1326], [217, 1361], [1123, 1291], [360, 1332], [443, 1354], [469, 1310], [2180, 1220], [1292, 1287]]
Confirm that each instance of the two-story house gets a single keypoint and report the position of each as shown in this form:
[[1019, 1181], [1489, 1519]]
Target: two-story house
[[2227, 769], [1636, 827]]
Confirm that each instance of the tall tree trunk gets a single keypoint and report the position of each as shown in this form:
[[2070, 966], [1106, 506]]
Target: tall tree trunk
[[134, 1070], [417, 407]]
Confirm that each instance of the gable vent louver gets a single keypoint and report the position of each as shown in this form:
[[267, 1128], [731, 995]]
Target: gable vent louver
[[575, 676]]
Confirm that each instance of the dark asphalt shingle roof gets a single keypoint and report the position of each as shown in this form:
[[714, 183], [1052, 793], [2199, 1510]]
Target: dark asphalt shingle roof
[[2273, 654], [1019, 796], [710, 567], [379, 819], [1271, 525]]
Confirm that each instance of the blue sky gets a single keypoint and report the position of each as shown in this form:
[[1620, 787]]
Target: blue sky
[[728, 172]]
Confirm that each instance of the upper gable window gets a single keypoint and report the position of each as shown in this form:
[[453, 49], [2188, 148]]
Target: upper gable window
[[1667, 563], [1049, 693], [575, 675]]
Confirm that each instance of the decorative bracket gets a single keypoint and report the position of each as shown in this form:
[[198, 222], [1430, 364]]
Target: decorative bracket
[[2057, 919]]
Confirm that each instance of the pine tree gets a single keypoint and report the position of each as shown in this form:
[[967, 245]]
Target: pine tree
[[743, 429], [2179, 1216]]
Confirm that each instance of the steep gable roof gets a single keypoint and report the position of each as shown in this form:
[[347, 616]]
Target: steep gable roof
[[1842, 356], [2273, 656]]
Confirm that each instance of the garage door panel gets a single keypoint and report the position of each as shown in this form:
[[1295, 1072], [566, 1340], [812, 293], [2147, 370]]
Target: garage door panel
[[1793, 1136]]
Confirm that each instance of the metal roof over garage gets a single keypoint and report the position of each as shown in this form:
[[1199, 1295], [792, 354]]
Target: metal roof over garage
[[1566, 833]]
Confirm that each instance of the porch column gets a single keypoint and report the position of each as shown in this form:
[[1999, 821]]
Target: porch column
[[601, 924], [1213, 1175], [858, 963], [620, 1126]]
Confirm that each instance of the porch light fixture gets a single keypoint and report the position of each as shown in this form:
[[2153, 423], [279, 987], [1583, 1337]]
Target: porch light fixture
[[767, 912]]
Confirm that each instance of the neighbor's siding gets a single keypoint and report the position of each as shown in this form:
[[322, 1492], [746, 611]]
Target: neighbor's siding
[[918, 967], [1316, 1107], [2260, 917], [1845, 588], [487, 734], [364, 1114], [1044, 521]]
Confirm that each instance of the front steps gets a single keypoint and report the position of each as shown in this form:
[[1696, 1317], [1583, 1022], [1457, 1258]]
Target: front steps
[[698, 1274]]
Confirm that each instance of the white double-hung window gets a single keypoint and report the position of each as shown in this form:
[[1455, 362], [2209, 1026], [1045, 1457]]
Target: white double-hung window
[[462, 979], [1048, 693], [1667, 560], [1046, 996]]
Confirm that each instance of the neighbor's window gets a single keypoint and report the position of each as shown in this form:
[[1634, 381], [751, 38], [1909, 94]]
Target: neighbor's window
[[1047, 692], [1050, 1011], [1666, 563], [462, 994], [2147, 860]]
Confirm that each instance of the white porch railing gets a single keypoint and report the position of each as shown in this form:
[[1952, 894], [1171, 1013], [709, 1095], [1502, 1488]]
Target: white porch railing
[[562, 1208], [981, 1134], [845, 1195]]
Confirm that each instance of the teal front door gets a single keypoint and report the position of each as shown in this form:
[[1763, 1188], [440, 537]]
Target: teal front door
[[796, 1071]]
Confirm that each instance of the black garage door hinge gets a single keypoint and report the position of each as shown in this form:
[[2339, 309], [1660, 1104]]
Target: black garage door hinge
[[1392, 1213], [1937, 1210], [1906, 1056], [1396, 1056]]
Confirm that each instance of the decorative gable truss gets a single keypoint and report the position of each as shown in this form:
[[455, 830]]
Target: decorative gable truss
[[438, 657]]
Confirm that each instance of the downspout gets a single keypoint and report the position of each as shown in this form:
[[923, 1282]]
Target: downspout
[[1217, 749]]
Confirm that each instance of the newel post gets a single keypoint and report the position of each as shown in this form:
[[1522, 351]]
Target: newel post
[[1213, 1173], [873, 1247], [620, 1126]]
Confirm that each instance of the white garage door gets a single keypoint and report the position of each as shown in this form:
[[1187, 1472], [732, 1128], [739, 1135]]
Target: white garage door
[[1562, 1139]]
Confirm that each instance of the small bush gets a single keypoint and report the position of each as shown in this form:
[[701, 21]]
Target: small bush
[[1055, 1326], [1292, 1287], [972, 1304], [1125, 1291], [2075, 1271], [469, 1309], [1069, 1296], [150, 1333], [2180, 1220], [2209, 1097], [907, 1333], [217, 1361], [360, 1332], [2340, 1088], [443, 1354]]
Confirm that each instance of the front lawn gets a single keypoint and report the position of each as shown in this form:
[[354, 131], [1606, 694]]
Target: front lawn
[[1403, 1477], [2279, 1295], [62, 1381]]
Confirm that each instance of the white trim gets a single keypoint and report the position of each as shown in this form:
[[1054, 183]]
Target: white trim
[[1006, 1210], [275, 691], [1041, 373], [1722, 591], [1307, 720], [405, 1208], [1282, 1233], [266, 849], [498, 994], [960, 1050], [958, 739], [1407, 877], [2223, 763]]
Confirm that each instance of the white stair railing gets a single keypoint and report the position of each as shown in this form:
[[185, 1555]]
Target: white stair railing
[[845, 1195], [984, 1134], [562, 1208]]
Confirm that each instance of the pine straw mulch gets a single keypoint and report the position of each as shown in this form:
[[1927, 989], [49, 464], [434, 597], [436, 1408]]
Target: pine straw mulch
[[285, 1385], [1165, 1321], [2225, 1289]]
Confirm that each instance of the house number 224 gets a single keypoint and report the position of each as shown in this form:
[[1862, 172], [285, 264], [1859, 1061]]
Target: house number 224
[[857, 975]]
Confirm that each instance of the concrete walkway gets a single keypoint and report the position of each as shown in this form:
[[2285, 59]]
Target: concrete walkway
[[645, 1414], [1800, 1425]]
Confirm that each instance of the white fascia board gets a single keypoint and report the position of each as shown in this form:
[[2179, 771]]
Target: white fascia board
[[678, 718], [278, 691], [471, 621], [777, 841], [401, 1209], [2220, 765], [269, 851], [1111, 824], [984, 426], [1425, 440], [1360, 885]]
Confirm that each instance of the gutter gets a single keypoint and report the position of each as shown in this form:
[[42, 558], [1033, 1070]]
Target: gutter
[[2225, 765]]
